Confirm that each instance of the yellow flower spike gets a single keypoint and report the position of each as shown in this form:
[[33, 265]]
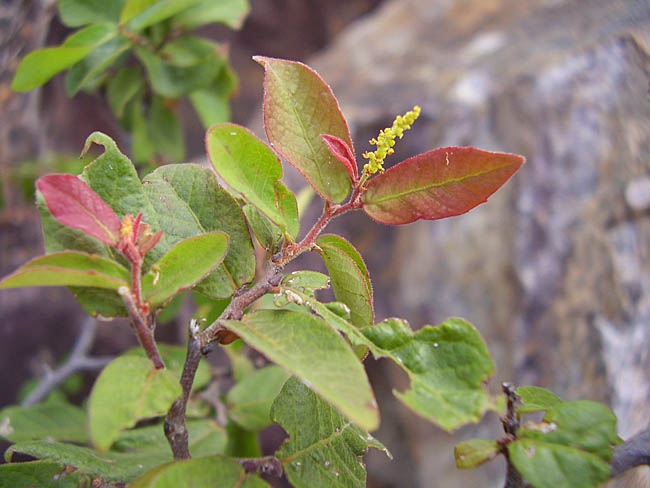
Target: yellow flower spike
[[386, 140], [127, 226]]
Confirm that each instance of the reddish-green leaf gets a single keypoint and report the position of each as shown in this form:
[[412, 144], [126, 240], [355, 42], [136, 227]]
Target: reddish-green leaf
[[441, 183], [339, 148], [298, 107], [69, 268], [73, 203]]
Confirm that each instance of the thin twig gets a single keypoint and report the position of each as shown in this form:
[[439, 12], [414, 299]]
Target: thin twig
[[77, 361], [142, 329], [511, 426]]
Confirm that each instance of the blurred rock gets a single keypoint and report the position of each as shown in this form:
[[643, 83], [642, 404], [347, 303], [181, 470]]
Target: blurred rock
[[555, 269]]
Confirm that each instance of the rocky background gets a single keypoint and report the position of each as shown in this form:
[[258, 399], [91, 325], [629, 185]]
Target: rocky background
[[554, 270]]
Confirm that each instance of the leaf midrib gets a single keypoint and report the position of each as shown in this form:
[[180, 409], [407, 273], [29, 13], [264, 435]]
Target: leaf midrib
[[417, 189], [321, 442]]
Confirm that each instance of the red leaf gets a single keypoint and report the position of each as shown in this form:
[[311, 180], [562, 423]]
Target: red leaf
[[73, 203], [441, 183], [340, 149]]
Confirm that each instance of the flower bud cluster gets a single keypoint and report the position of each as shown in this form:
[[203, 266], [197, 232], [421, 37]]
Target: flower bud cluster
[[386, 140]]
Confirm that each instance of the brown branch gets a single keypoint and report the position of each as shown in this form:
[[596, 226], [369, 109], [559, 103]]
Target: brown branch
[[202, 343], [510, 423], [175, 426]]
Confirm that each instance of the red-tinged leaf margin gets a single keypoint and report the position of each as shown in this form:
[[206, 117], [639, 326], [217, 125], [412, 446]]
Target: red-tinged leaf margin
[[442, 183], [281, 148], [74, 204], [52, 270], [340, 149]]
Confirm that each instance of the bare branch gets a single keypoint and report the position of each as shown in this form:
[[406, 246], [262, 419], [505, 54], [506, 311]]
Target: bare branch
[[77, 361], [175, 426], [632, 453], [202, 342], [511, 426]]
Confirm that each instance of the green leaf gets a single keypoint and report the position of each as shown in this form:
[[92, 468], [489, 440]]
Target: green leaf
[[113, 177], [182, 66], [536, 399], [122, 88], [350, 278], [268, 235], [174, 359], [181, 200], [298, 107], [247, 165], [41, 65], [74, 13], [208, 309], [69, 268], [306, 281], [165, 131], [229, 12], [189, 201], [211, 107], [184, 265], [207, 471], [60, 421], [41, 474], [556, 466], [138, 451], [242, 443], [442, 183], [141, 146], [205, 437], [448, 366], [324, 448], [307, 347], [249, 401], [589, 426], [86, 71], [127, 390], [240, 363], [138, 14], [332, 313], [288, 207], [471, 454]]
